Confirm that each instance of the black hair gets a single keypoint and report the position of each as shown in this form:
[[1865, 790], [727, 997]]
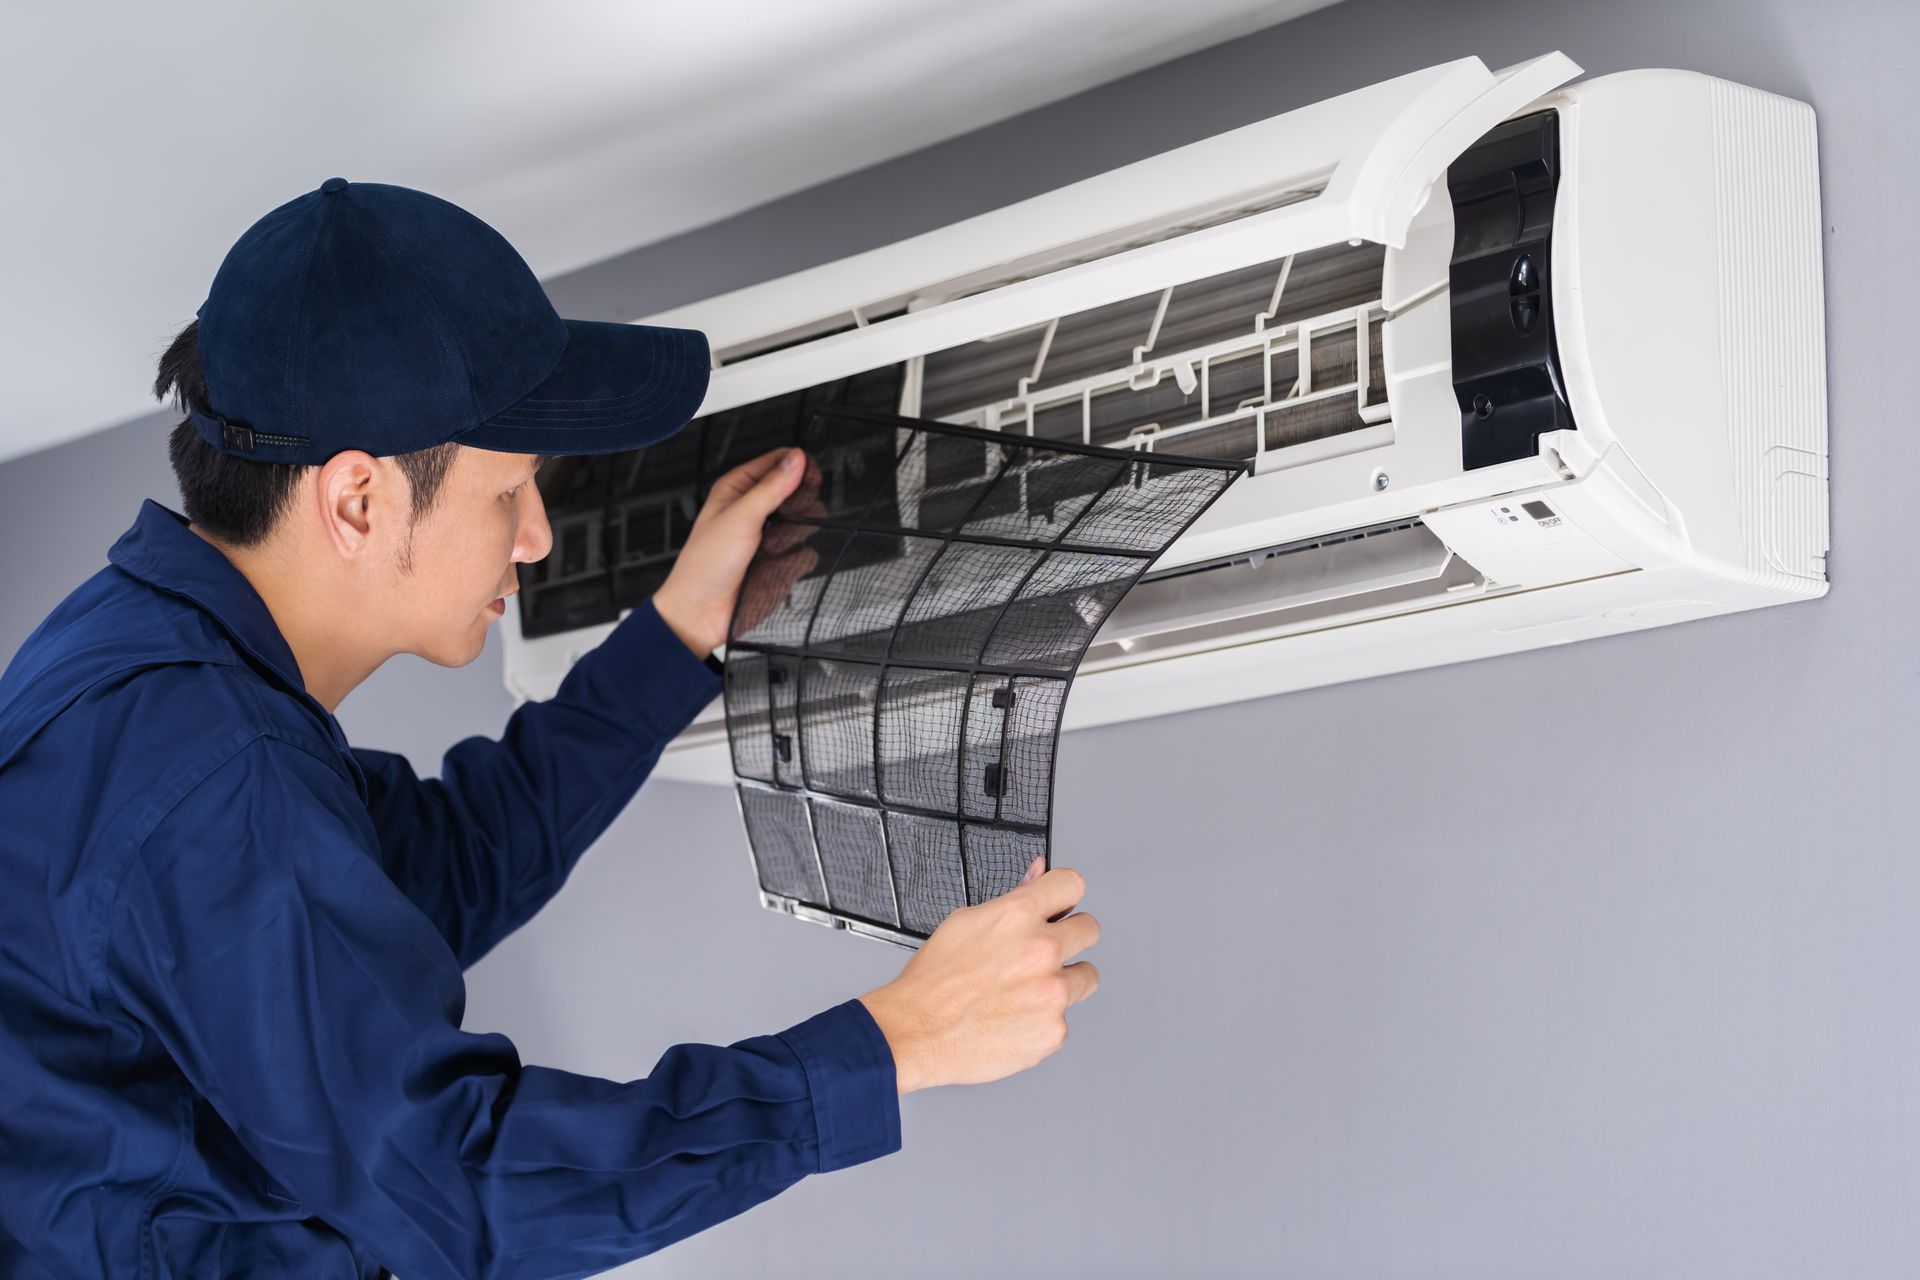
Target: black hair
[[238, 500]]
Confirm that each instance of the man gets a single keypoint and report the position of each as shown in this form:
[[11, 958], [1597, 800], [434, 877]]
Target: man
[[231, 945]]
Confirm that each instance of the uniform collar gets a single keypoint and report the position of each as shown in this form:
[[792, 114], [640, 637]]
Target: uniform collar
[[163, 552]]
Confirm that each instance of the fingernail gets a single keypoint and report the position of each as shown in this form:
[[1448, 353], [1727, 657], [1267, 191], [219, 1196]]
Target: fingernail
[[791, 461]]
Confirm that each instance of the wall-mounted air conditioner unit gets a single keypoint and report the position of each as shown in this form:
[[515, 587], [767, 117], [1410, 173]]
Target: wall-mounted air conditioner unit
[[1513, 362]]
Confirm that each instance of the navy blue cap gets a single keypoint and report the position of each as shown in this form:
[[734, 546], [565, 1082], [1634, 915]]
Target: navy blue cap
[[375, 317]]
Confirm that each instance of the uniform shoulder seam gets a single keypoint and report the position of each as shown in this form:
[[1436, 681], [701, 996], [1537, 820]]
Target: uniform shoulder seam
[[190, 780]]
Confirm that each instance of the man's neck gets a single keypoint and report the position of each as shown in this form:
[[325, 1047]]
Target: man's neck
[[330, 654]]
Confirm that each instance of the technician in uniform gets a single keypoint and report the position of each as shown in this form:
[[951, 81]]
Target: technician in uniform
[[231, 944]]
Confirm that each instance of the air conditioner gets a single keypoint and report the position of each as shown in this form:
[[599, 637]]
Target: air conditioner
[[1512, 361]]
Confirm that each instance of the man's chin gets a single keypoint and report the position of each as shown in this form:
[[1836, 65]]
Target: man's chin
[[458, 654]]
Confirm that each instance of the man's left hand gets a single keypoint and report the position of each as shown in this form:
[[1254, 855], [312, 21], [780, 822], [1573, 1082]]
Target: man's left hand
[[696, 601]]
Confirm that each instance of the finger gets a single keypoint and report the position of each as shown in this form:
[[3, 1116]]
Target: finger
[[771, 489], [1083, 980], [781, 537], [1052, 893], [804, 503], [771, 583], [805, 500], [740, 484], [1035, 869], [741, 480], [1079, 931]]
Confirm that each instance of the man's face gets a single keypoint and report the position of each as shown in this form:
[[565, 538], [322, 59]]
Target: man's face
[[487, 518]]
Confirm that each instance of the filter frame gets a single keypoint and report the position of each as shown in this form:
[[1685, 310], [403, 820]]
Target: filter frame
[[853, 495]]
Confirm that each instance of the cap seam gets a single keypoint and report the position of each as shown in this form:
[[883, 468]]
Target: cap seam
[[662, 393], [596, 400], [303, 322], [609, 417], [649, 391], [443, 330], [483, 419], [665, 392]]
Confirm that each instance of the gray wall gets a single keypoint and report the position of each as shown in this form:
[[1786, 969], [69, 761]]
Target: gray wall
[[1597, 961]]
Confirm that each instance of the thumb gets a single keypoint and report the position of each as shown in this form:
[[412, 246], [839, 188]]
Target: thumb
[[1033, 872], [773, 488]]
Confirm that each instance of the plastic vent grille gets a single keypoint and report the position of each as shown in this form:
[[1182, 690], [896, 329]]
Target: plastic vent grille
[[1228, 366], [902, 650]]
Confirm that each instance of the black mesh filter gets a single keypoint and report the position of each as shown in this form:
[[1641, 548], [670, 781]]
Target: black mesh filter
[[902, 650], [619, 519]]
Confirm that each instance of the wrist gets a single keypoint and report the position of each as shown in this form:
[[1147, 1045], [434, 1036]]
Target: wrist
[[676, 617], [903, 1038]]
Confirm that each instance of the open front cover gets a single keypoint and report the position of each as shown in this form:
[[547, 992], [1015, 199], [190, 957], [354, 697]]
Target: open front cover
[[903, 647]]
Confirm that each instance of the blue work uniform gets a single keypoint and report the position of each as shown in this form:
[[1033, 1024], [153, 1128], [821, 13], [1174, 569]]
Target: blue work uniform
[[230, 968]]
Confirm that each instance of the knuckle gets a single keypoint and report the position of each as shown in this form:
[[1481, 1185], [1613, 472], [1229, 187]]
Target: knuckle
[[1059, 990], [1039, 951]]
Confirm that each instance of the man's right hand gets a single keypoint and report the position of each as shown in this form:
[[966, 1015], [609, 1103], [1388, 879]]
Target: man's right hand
[[987, 995]]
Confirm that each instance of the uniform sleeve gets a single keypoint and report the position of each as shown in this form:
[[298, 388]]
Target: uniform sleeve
[[317, 1010], [486, 844]]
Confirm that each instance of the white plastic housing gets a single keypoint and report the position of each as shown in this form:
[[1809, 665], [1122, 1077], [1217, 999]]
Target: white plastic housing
[[1688, 306]]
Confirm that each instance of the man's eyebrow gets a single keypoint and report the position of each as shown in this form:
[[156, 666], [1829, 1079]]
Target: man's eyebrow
[[539, 461]]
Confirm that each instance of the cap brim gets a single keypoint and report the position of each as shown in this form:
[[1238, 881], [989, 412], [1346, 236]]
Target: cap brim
[[617, 387]]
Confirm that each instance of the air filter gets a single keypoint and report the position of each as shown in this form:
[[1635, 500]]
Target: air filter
[[903, 646]]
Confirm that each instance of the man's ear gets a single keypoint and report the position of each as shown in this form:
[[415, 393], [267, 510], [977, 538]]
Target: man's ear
[[351, 493]]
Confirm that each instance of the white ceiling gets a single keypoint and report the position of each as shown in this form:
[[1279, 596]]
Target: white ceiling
[[139, 140]]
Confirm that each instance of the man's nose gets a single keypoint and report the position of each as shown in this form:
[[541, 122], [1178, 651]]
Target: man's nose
[[536, 535]]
